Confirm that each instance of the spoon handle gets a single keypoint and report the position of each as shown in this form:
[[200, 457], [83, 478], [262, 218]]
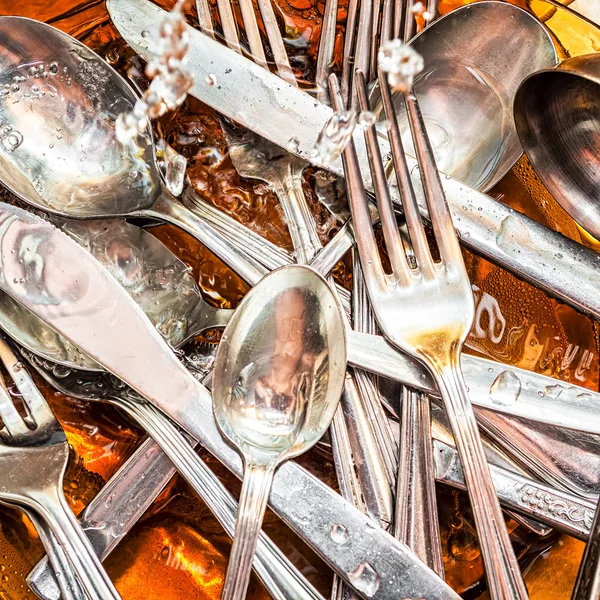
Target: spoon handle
[[587, 585], [251, 511], [170, 210]]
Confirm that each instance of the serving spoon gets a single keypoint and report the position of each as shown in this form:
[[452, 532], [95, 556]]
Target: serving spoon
[[59, 102], [278, 377]]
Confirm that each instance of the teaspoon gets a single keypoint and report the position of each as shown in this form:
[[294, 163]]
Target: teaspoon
[[278, 377]]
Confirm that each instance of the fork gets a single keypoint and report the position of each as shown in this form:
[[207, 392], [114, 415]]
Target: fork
[[34, 454], [427, 311], [230, 32]]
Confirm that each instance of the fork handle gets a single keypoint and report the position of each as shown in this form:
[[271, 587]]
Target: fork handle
[[94, 580], [503, 574], [67, 585], [253, 503]]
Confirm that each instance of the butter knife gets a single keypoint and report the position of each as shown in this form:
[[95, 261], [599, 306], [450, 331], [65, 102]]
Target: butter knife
[[292, 119]]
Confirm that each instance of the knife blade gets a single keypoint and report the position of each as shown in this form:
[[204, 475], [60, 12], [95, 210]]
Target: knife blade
[[283, 114], [60, 282]]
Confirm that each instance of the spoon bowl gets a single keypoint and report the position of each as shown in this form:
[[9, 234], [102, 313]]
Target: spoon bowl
[[59, 104], [278, 377], [557, 116], [473, 68]]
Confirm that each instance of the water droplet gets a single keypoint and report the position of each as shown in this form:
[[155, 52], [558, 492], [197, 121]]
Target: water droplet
[[365, 579], [339, 533], [110, 499], [506, 389], [211, 79], [53, 68], [293, 144], [144, 34]]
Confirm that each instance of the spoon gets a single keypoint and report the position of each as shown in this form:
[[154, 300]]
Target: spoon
[[58, 150], [587, 584], [467, 87], [278, 377], [154, 277], [557, 115]]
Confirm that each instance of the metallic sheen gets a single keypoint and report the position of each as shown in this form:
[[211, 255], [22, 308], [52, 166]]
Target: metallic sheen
[[278, 378], [74, 294]]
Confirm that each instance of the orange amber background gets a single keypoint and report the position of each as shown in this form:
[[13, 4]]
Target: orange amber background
[[178, 550]]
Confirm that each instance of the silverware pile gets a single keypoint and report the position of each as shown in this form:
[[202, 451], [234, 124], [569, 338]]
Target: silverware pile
[[96, 305]]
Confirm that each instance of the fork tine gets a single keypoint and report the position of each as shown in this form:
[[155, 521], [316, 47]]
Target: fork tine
[[357, 196], [14, 424], [393, 241], [387, 23], [410, 22], [326, 49], [407, 193], [375, 38], [439, 213], [362, 49], [432, 10], [252, 31], [204, 18], [276, 41], [229, 25]]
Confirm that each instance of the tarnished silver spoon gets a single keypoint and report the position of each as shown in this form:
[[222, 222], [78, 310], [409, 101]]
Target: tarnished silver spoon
[[278, 377], [59, 102], [154, 277]]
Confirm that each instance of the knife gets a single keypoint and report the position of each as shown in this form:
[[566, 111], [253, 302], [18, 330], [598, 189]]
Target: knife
[[283, 114], [60, 282], [492, 385]]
